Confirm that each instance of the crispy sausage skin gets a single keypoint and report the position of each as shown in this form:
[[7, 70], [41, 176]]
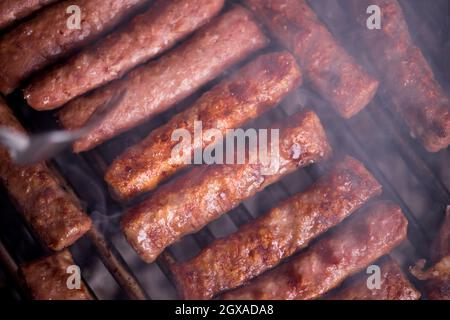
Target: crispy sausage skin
[[394, 285], [44, 39], [260, 245], [46, 278], [407, 76], [154, 87], [326, 64], [14, 10], [322, 267], [247, 94], [206, 192], [51, 212], [146, 36]]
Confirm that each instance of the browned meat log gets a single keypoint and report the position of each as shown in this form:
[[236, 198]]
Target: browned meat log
[[50, 211], [260, 245], [146, 36], [250, 92], [322, 267], [46, 278], [205, 193], [406, 74], [156, 86], [394, 285], [325, 63]]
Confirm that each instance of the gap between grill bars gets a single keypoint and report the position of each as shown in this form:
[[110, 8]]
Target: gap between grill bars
[[397, 162]]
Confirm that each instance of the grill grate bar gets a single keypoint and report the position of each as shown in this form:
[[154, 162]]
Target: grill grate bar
[[11, 269], [118, 268]]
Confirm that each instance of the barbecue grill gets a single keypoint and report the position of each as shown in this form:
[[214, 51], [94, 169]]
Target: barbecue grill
[[417, 180]]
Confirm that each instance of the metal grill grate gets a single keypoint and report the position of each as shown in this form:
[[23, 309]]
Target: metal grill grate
[[418, 181]]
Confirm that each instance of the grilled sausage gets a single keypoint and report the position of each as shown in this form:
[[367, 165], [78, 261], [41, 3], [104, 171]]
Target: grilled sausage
[[47, 278], [44, 39], [252, 90], [332, 72], [14, 10], [437, 278], [348, 249], [260, 245], [156, 86], [408, 78], [393, 286], [146, 36], [51, 212], [206, 192]]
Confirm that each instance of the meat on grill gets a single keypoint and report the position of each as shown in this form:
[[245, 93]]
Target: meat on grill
[[332, 72], [235, 101], [47, 37], [437, 278], [206, 192], [146, 36], [323, 266], [393, 286], [156, 86], [12, 11], [407, 76], [261, 244], [47, 278], [50, 211]]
